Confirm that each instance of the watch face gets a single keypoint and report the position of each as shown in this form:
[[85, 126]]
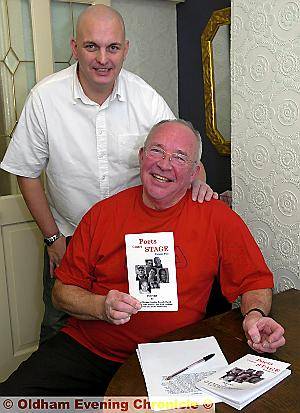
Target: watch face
[[49, 241]]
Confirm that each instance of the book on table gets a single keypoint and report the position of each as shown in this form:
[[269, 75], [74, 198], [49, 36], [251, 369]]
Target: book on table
[[244, 380]]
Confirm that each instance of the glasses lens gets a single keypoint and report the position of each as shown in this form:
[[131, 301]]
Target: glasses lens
[[155, 152], [179, 158]]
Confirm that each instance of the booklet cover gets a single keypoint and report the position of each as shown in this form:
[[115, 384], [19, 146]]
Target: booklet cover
[[172, 369], [152, 271], [245, 379]]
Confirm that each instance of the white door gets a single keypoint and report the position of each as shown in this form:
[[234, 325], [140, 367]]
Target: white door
[[20, 283], [26, 56]]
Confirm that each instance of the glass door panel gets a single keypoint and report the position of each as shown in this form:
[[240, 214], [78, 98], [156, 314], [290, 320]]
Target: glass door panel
[[17, 74], [64, 15]]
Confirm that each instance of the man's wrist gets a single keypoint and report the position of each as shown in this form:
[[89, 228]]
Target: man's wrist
[[50, 240], [259, 310]]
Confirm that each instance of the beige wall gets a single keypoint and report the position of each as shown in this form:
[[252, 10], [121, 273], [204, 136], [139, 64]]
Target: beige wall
[[151, 30], [266, 129]]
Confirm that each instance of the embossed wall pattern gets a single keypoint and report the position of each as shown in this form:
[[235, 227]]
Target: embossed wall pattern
[[265, 73]]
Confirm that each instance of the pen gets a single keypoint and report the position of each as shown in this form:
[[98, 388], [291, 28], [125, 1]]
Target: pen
[[205, 358]]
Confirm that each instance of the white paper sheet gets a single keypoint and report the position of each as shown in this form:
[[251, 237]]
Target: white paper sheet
[[159, 360]]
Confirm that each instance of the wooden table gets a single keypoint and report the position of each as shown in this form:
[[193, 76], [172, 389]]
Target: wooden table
[[285, 397]]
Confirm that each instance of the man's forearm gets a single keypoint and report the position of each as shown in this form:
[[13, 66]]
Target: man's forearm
[[37, 203], [116, 307], [261, 299], [263, 333], [78, 302]]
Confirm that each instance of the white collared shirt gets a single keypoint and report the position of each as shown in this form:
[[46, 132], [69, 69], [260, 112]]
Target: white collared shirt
[[89, 151]]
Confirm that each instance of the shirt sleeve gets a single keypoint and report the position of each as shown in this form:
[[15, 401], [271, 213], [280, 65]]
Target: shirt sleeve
[[27, 153], [242, 266], [77, 266], [161, 109]]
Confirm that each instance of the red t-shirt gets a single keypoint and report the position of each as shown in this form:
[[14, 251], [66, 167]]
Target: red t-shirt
[[209, 239]]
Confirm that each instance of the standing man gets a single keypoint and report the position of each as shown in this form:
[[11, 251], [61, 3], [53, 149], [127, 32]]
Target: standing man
[[83, 126]]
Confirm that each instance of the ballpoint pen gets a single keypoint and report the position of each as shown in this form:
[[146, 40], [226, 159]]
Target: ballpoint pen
[[205, 358]]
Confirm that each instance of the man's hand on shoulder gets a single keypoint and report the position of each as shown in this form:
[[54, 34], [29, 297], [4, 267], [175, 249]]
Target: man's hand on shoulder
[[56, 252], [119, 307], [202, 192], [264, 334]]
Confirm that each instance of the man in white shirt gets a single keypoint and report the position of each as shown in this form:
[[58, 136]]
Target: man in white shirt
[[83, 126]]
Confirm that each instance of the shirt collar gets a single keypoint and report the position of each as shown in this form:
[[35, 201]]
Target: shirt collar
[[119, 88], [78, 93]]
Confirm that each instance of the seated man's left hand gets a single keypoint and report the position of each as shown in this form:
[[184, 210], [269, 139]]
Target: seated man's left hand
[[202, 192], [264, 334]]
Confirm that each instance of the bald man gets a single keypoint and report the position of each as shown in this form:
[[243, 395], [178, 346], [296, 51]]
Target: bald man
[[83, 126]]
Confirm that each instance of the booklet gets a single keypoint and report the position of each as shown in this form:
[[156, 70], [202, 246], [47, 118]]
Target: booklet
[[245, 379], [172, 369], [152, 271]]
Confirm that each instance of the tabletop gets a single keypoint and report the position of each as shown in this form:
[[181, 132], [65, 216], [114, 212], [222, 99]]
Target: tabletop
[[227, 329]]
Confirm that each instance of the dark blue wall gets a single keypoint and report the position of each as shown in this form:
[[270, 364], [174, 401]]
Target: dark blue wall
[[192, 17]]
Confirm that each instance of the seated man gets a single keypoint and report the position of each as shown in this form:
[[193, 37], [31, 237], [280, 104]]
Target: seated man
[[92, 282]]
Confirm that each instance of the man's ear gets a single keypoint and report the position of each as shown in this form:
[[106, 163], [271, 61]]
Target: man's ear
[[73, 46], [126, 48], [195, 172], [141, 155], [202, 173]]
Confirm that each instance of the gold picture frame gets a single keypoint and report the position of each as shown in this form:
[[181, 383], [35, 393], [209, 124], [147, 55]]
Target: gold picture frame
[[217, 19]]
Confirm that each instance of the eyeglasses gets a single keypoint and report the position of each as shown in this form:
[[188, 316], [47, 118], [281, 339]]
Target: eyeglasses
[[156, 152]]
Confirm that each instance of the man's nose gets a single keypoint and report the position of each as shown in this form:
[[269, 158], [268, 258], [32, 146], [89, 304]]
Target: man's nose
[[102, 56], [165, 163]]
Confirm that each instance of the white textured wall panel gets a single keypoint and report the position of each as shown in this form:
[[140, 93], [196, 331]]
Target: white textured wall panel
[[266, 129]]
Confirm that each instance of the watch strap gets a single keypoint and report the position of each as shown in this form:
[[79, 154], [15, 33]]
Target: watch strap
[[255, 309], [50, 240]]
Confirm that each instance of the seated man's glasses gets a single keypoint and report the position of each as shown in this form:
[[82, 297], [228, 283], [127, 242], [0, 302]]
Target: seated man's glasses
[[176, 158]]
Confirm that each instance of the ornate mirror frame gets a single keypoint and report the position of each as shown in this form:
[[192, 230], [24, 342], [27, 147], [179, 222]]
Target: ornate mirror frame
[[217, 19]]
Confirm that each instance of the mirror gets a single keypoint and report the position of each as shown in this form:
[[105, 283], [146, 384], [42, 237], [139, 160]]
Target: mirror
[[215, 43]]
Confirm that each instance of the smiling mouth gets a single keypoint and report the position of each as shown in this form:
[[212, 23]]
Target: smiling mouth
[[160, 178], [102, 69]]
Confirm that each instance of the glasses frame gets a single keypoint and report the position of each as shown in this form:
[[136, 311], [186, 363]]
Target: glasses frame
[[171, 158]]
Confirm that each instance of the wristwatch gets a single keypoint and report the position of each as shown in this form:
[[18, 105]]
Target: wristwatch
[[50, 240], [255, 309]]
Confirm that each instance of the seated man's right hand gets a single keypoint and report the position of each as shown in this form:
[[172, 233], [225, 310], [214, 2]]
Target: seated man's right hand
[[119, 307]]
